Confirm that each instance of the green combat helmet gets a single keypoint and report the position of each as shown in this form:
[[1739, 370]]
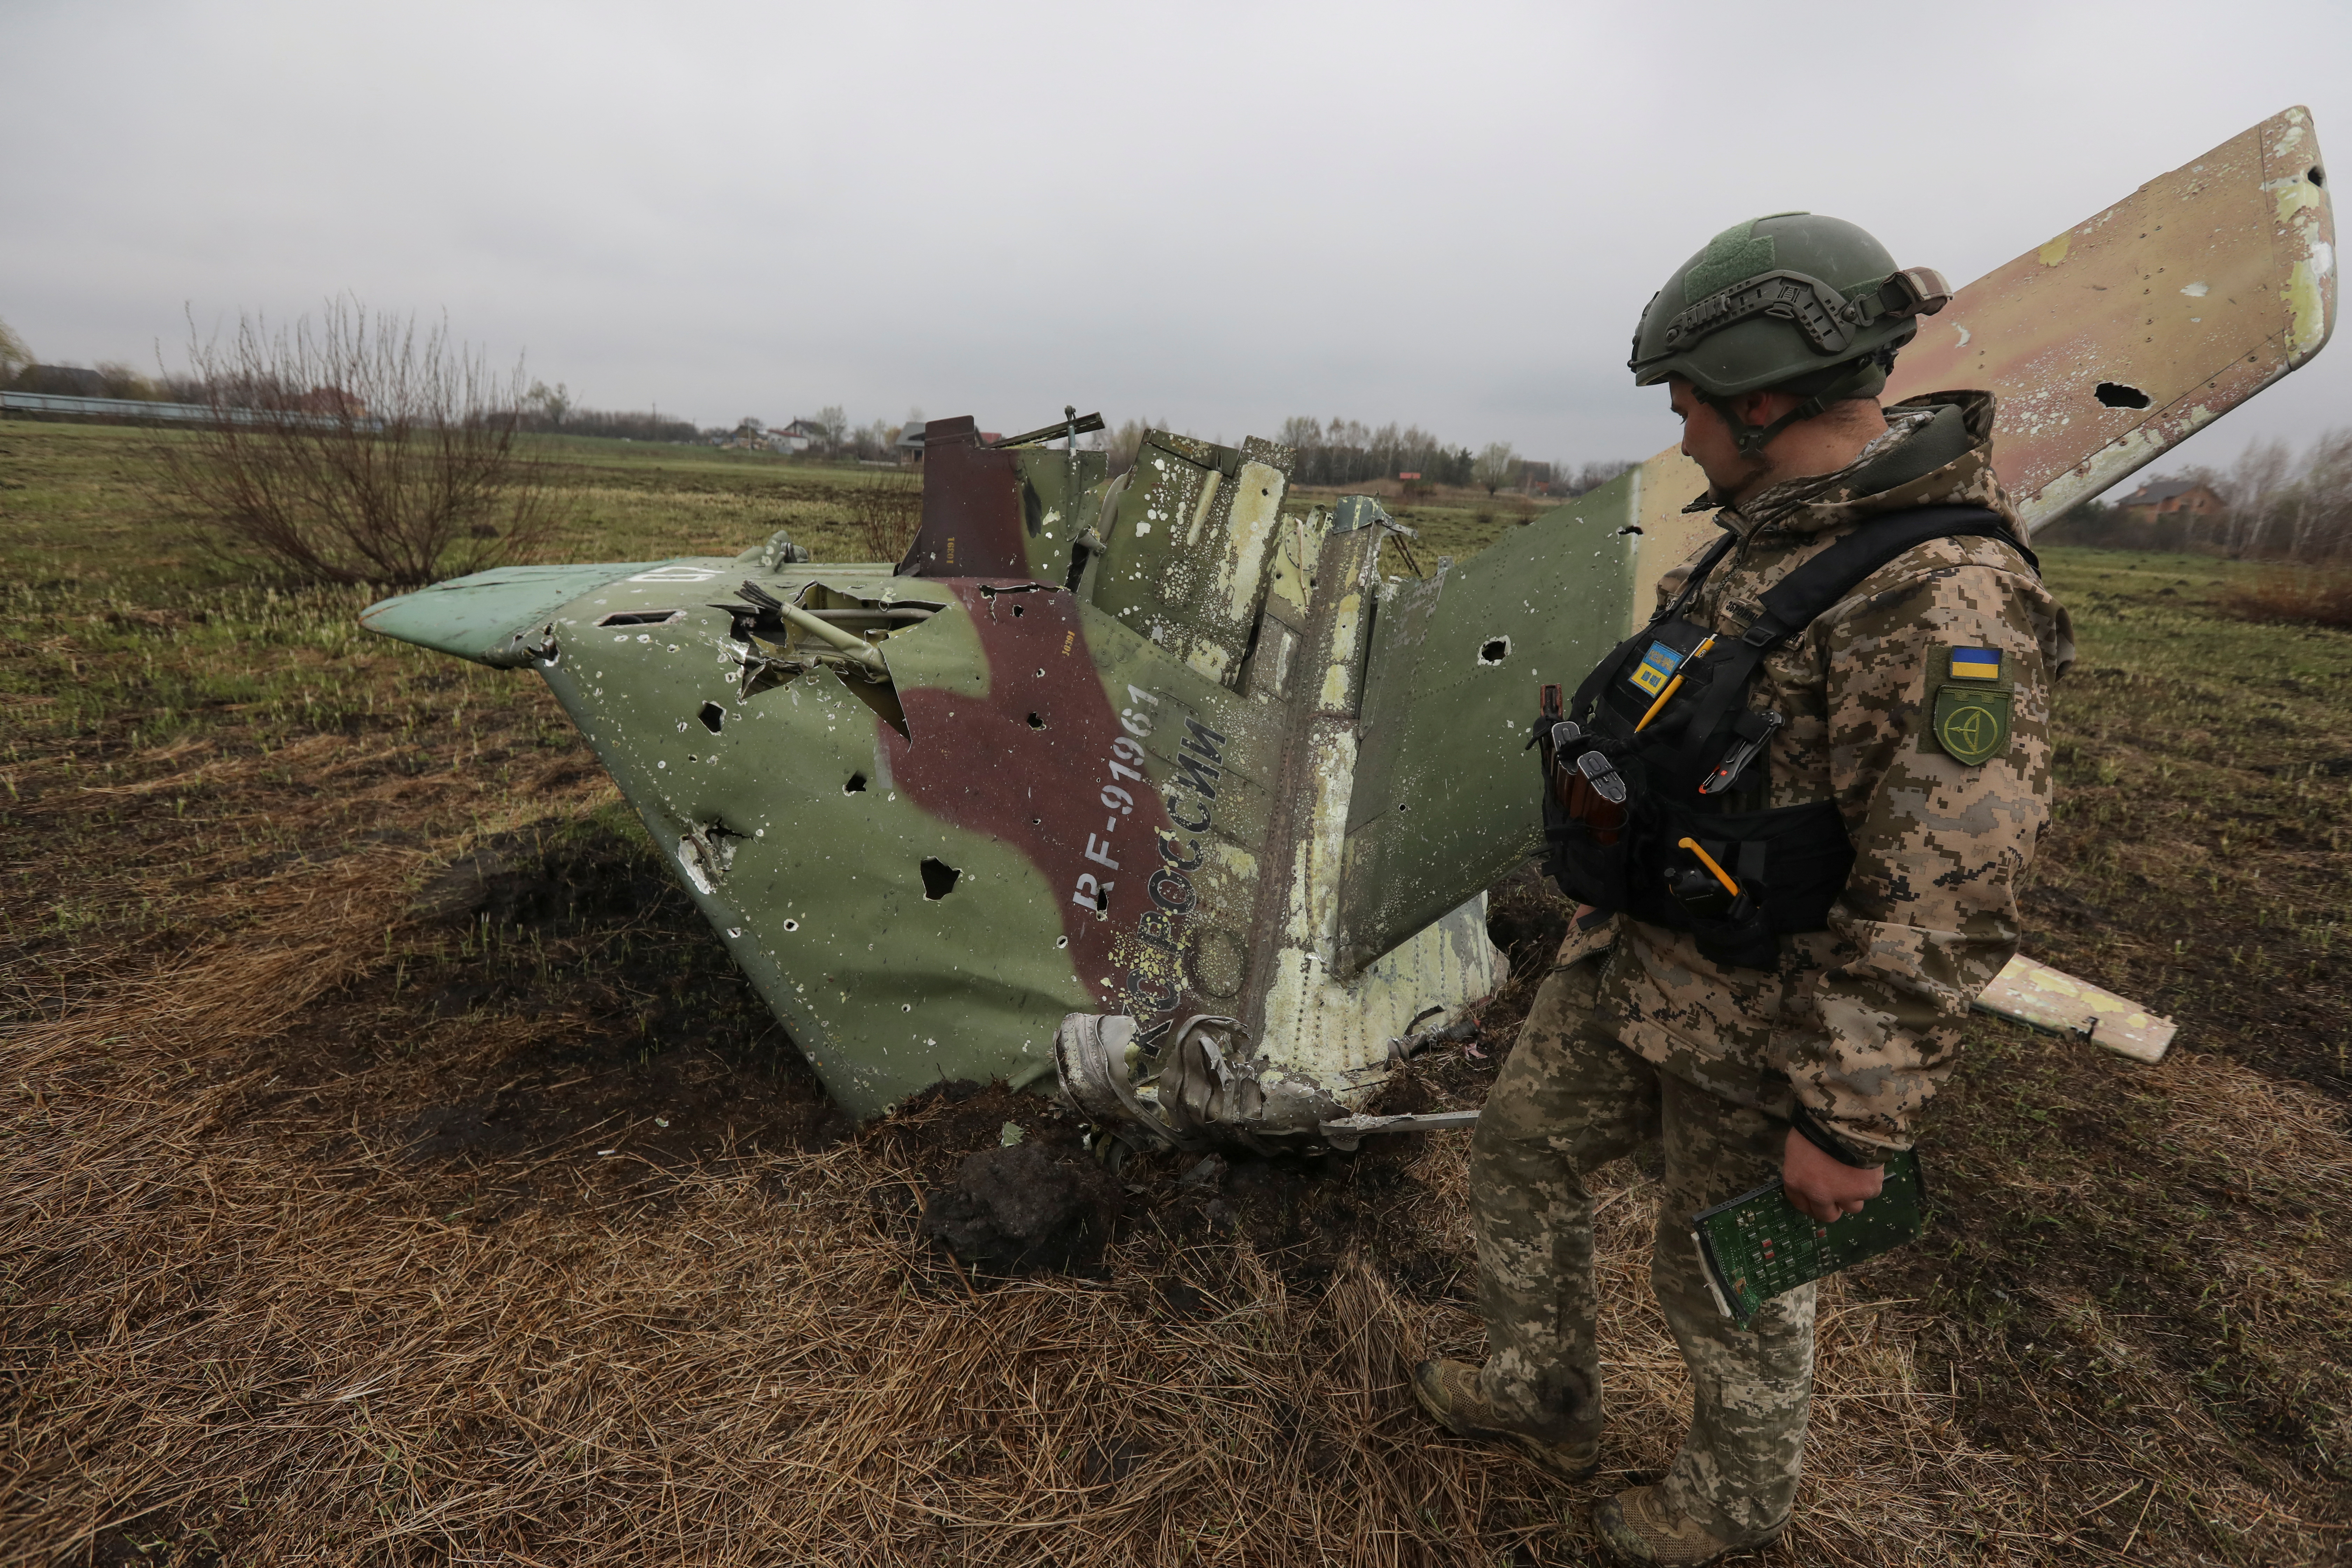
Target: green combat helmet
[[1793, 302]]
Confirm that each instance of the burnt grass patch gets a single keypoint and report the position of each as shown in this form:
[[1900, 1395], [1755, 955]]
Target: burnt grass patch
[[558, 996], [398, 1169]]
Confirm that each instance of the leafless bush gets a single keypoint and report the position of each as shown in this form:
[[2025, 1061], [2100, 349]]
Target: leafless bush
[[885, 512], [356, 450]]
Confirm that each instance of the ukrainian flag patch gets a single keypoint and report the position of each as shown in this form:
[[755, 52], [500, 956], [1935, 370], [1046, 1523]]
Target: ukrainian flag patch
[[1976, 663], [1657, 667]]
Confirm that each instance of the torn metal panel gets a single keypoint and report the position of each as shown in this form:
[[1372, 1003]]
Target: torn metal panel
[[1190, 546], [971, 523], [1442, 805], [2050, 999], [2114, 340]]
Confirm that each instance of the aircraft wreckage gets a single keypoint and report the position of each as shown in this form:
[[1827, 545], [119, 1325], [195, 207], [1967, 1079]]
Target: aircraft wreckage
[[1151, 791]]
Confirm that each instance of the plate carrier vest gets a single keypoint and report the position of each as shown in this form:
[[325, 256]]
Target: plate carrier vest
[[1621, 798]]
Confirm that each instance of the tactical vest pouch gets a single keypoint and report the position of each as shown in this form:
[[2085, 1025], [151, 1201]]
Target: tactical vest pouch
[[1591, 836], [1650, 663], [1740, 938], [1791, 863]]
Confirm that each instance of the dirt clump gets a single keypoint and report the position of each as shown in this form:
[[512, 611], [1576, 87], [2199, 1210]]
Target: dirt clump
[[1024, 1209]]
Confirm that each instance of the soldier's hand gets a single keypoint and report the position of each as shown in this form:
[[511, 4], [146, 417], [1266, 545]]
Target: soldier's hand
[[1822, 1188]]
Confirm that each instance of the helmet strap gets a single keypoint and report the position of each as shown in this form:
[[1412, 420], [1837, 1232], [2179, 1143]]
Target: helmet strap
[[1861, 378]]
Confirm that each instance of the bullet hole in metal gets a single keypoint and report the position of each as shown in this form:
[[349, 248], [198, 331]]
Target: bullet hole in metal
[[856, 784], [712, 716], [2115, 395], [1061, 941], [939, 877], [1035, 723], [2318, 176], [792, 925], [1492, 650], [640, 619], [1016, 611]]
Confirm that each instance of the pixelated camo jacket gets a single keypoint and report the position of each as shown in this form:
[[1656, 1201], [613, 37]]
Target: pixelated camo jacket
[[1860, 1021]]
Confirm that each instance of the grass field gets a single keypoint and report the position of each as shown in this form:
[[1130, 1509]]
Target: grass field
[[394, 1170]]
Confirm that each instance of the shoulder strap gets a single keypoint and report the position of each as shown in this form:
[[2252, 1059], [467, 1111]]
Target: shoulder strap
[[1795, 601], [1699, 569]]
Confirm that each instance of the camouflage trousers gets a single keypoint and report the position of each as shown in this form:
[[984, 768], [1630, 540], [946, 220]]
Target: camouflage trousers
[[1570, 1099]]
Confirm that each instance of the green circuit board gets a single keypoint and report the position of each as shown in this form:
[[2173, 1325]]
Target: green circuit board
[[1758, 1245]]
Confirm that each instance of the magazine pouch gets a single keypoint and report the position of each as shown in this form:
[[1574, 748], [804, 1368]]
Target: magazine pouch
[[1589, 836]]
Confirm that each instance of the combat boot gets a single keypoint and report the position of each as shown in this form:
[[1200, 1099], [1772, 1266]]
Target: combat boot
[[1449, 1390], [1636, 1529]]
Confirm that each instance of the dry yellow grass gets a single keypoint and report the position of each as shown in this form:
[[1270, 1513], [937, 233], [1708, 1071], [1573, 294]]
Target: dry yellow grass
[[253, 1309], [746, 1360]]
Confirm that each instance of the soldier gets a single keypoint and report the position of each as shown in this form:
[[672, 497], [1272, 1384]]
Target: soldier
[[1862, 749]]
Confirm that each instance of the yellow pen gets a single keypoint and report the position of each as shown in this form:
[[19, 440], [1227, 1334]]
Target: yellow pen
[[1707, 860], [1671, 685]]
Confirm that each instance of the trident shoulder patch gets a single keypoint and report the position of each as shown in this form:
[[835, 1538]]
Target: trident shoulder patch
[[1972, 722]]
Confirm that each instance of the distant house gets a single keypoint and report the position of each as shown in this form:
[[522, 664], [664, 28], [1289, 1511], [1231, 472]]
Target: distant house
[[799, 436], [62, 381], [2191, 500], [1534, 479], [908, 448]]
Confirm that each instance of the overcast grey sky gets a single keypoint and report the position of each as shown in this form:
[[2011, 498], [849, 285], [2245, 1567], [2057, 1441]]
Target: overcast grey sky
[[1213, 215]]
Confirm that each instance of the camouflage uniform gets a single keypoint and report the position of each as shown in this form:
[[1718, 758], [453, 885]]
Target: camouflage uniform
[[1859, 1023]]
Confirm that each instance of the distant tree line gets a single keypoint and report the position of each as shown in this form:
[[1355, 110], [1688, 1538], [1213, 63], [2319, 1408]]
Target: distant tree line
[[2280, 506], [1339, 452], [21, 372], [1349, 452], [2286, 508], [549, 411]]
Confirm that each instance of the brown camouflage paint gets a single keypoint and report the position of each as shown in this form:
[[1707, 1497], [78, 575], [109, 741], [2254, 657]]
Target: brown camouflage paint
[[1041, 762]]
